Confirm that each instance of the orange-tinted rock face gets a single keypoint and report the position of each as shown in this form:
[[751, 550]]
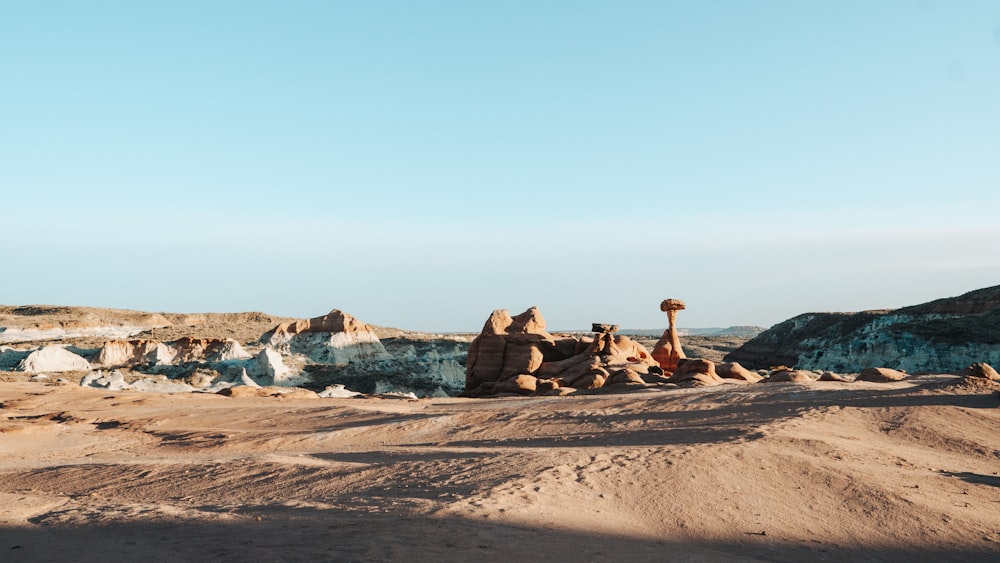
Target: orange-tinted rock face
[[511, 347], [336, 321], [667, 351]]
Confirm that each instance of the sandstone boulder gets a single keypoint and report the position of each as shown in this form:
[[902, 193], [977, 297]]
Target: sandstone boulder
[[983, 370], [520, 384], [881, 375], [831, 376], [53, 358], [733, 370], [696, 373], [793, 376], [625, 376]]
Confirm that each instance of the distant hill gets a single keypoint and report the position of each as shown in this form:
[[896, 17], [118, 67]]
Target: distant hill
[[944, 335], [738, 331]]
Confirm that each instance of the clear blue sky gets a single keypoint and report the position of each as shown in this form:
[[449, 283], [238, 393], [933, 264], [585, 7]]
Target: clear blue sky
[[419, 164]]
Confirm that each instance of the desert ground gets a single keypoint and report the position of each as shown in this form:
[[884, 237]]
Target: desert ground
[[821, 471]]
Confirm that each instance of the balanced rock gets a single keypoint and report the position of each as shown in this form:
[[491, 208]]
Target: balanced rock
[[53, 358], [667, 351], [881, 375]]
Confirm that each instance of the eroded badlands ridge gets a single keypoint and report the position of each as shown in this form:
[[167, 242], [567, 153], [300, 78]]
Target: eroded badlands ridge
[[941, 336]]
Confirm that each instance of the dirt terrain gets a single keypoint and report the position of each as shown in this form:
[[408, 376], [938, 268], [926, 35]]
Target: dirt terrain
[[775, 472]]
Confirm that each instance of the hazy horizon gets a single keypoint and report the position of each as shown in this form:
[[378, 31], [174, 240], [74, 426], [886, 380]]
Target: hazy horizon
[[420, 164]]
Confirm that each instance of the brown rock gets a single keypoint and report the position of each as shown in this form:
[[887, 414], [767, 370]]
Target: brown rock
[[881, 375], [733, 370], [984, 370], [520, 345], [545, 385], [624, 376], [696, 373], [523, 358], [667, 351], [830, 376], [792, 375], [521, 384], [528, 322], [591, 379], [242, 391]]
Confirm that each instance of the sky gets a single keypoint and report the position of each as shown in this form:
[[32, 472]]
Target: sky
[[421, 163]]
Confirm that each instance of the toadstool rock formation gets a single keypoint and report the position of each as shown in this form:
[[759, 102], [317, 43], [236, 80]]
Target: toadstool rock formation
[[667, 350], [517, 355]]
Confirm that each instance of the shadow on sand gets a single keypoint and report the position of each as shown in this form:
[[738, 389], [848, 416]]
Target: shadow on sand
[[306, 534]]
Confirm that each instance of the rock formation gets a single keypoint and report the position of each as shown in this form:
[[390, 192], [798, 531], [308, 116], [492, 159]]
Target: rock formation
[[30, 323], [881, 375], [517, 355], [980, 369], [333, 339], [189, 349], [53, 358], [134, 352], [696, 373], [733, 370], [942, 336], [786, 375], [667, 351]]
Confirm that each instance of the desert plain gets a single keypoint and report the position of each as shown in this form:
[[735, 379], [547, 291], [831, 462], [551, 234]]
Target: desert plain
[[775, 471]]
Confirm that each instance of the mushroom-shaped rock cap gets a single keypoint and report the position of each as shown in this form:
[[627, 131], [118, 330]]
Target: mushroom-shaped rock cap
[[671, 305]]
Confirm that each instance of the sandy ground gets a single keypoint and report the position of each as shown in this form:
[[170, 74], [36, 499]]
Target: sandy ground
[[771, 472]]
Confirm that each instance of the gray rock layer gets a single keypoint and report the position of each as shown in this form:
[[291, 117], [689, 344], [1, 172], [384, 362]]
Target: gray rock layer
[[941, 336]]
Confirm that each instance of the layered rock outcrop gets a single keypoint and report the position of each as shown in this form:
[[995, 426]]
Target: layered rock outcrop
[[32, 323], [53, 358], [518, 355], [942, 336], [333, 339]]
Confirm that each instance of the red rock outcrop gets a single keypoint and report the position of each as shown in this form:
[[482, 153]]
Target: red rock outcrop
[[511, 347], [667, 351]]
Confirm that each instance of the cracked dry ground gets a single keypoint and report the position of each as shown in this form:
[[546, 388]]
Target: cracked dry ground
[[775, 472]]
